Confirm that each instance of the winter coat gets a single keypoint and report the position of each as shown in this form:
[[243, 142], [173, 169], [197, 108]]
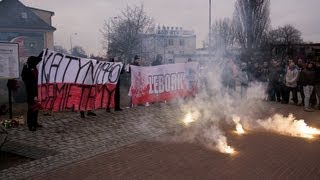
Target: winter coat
[[274, 74], [30, 77], [243, 78], [317, 80], [227, 77], [307, 77], [291, 77], [264, 75]]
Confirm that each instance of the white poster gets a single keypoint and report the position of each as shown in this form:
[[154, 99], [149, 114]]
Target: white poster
[[9, 61], [69, 82], [164, 82]]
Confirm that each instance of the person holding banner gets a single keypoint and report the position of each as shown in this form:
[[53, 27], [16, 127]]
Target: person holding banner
[[117, 93], [158, 61], [30, 78], [136, 62]]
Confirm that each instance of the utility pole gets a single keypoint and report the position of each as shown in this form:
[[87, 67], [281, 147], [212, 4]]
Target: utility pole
[[210, 33], [71, 41]]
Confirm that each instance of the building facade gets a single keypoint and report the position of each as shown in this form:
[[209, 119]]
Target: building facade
[[31, 28], [309, 51], [168, 42]]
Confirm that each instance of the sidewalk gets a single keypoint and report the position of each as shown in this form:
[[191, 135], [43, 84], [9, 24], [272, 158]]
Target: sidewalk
[[123, 145], [66, 138]]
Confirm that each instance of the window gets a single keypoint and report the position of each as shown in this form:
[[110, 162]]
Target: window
[[170, 42], [181, 42]]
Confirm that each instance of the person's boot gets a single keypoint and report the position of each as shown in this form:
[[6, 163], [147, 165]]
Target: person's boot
[[82, 114], [108, 110], [90, 113], [308, 109], [118, 109], [32, 129]]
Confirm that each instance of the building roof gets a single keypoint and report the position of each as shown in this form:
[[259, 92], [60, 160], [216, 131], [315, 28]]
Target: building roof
[[15, 15], [51, 12]]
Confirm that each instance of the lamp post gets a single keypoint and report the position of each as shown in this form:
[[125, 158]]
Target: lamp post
[[210, 33], [71, 41]]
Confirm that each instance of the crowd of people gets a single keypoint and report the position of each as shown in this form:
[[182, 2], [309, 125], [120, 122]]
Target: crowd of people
[[286, 80]]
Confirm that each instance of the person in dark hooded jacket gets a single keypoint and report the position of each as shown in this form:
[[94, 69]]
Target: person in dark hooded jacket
[[116, 93], [30, 78]]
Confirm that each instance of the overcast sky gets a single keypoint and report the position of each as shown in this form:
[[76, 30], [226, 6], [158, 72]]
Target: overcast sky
[[86, 18]]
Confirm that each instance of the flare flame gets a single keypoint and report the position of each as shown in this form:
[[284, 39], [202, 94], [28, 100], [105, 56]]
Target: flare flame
[[223, 147], [239, 128], [289, 126], [188, 119]]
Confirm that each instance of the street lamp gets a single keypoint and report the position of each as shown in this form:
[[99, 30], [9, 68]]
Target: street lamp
[[210, 33], [71, 40]]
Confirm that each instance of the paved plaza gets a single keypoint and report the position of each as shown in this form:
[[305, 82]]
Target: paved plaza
[[130, 145]]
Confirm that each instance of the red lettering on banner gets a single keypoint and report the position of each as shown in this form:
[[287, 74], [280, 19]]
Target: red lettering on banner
[[59, 97]]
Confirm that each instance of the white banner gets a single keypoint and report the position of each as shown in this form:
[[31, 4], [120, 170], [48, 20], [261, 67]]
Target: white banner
[[164, 82], [68, 82], [61, 68]]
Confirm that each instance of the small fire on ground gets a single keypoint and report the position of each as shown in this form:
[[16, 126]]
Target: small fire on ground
[[289, 126], [239, 129], [224, 147], [190, 118]]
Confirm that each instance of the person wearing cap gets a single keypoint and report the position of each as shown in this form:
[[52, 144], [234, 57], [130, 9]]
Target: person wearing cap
[[30, 78]]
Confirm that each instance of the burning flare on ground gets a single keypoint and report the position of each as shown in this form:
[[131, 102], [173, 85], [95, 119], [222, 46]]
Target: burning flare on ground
[[289, 126], [223, 146], [190, 117], [239, 128]]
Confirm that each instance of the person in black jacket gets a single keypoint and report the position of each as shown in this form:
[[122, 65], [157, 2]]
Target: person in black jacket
[[308, 80], [116, 94], [317, 83], [158, 61], [30, 78]]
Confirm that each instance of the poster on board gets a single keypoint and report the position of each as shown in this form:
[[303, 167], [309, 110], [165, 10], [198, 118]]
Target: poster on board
[[9, 61]]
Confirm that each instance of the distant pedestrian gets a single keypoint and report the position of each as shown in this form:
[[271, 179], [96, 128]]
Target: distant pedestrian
[[308, 79], [301, 66], [274, 86], [291, 80], [317, 83], [228, 78], [244, 80], [136, 62], [158, 61]]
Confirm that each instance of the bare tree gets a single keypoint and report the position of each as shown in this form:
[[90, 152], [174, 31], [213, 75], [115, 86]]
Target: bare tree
[[60, 49], [289, 35], [282, 38], [223, 34], [251, 20], [123, 35], [79, 52]]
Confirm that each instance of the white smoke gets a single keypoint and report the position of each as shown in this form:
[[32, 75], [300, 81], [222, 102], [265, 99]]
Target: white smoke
[[214, 106], [288, 126]]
